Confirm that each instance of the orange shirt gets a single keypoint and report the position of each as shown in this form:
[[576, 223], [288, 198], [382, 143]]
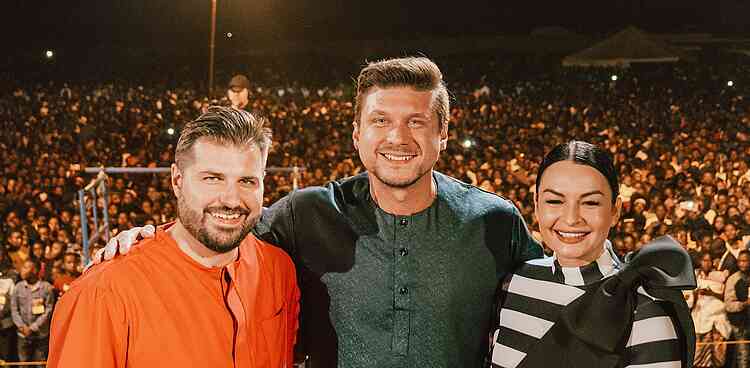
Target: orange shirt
[[157, 307], [62, 282]]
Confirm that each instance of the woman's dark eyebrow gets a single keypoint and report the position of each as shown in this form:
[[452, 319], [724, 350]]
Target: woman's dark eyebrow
[[582, 195], [554, 192]]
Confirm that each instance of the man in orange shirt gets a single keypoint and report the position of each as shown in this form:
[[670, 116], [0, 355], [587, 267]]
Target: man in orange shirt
[[205, 292]]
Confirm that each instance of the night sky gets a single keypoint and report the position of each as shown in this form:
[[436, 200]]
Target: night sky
[[130, 36], [185, 23]]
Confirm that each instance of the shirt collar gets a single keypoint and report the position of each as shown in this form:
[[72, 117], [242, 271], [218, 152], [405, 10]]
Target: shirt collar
[[219, 260], [604, 266]]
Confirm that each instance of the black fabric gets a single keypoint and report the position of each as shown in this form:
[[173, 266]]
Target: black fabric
[[580, 339], [740, 289]]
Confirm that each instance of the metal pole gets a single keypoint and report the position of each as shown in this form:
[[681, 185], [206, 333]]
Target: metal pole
[[166, 169], [295, 178], [105, 195], [127, 170], [93, 210], [212, 46], [84, 225]]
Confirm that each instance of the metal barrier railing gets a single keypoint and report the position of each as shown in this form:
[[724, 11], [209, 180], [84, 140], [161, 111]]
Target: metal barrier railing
[[727, 342], [99, 184], [295, 170], [20, 364]]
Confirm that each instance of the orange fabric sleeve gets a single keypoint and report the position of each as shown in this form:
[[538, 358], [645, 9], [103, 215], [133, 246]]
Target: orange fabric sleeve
[[89, 328]]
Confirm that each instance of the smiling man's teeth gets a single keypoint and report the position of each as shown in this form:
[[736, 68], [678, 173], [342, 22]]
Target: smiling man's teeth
[[226, 217], [397, 158]]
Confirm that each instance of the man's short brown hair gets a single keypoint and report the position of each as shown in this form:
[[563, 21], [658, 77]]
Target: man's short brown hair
[[419, 73], [224, 125]]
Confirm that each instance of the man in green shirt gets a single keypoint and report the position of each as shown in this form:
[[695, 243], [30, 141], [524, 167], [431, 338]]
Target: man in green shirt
[[399, 265]]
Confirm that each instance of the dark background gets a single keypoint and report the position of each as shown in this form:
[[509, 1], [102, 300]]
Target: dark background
[[87, 34]]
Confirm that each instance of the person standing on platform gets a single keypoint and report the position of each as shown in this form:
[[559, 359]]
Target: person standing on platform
[[239, 92], [399, 265], [203, 292], [8, 279], [736, 303], [31, 307]]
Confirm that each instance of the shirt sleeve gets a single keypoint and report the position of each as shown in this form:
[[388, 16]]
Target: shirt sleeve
[[509, 239], [525, 246], [653, 339], [15, 313], [89, 329], [49, 303], [276, 225], [730, 295]]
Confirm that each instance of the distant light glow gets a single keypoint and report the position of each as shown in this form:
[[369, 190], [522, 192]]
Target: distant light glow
[[614, 77], [229, 34], [467, 143], [730, 83], [170, 131], [49, 54]]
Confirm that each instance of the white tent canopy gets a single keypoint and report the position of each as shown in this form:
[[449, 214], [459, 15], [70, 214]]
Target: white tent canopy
[[630, 45]]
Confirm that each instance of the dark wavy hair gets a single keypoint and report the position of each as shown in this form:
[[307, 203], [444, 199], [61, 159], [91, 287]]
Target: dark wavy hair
[[583, 153]]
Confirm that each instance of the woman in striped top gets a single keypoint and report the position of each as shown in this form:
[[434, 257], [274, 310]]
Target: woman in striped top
[[576, 206]]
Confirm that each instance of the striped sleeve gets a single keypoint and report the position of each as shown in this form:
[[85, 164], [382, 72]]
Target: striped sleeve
[[653, 341]]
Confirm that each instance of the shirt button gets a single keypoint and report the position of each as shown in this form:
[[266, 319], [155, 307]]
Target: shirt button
[[404, 221], [403, 291], [404, 251]]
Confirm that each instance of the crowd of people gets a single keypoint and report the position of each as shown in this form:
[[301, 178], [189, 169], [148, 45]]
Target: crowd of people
[[680, 136]]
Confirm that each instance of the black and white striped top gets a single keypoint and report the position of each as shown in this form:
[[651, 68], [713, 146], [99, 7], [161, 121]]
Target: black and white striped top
[[537, 292]]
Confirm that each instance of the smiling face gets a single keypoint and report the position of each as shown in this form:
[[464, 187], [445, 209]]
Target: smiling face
[[398, 135], [575, 212], [220, 193]]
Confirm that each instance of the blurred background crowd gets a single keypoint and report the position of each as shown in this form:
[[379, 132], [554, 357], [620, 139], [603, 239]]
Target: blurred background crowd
[[680, 136]]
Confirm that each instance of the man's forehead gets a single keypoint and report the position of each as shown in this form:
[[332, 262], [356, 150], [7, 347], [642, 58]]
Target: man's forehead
[[215, 157], [395, 93], [399, 100]]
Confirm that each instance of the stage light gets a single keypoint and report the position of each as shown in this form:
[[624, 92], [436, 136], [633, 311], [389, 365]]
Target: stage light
[[613, 77], [170, 131], [49, 54], [730, 83], [467, 143], [229, 34]]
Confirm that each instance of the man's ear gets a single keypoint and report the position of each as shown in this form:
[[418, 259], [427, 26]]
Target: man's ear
[[444, 137], [355, 135], [177, 179]]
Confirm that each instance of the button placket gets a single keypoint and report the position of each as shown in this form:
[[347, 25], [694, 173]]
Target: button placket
[[402, 301]]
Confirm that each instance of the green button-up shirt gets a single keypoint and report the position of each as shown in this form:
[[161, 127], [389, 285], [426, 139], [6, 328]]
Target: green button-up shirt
[[402, 291]]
